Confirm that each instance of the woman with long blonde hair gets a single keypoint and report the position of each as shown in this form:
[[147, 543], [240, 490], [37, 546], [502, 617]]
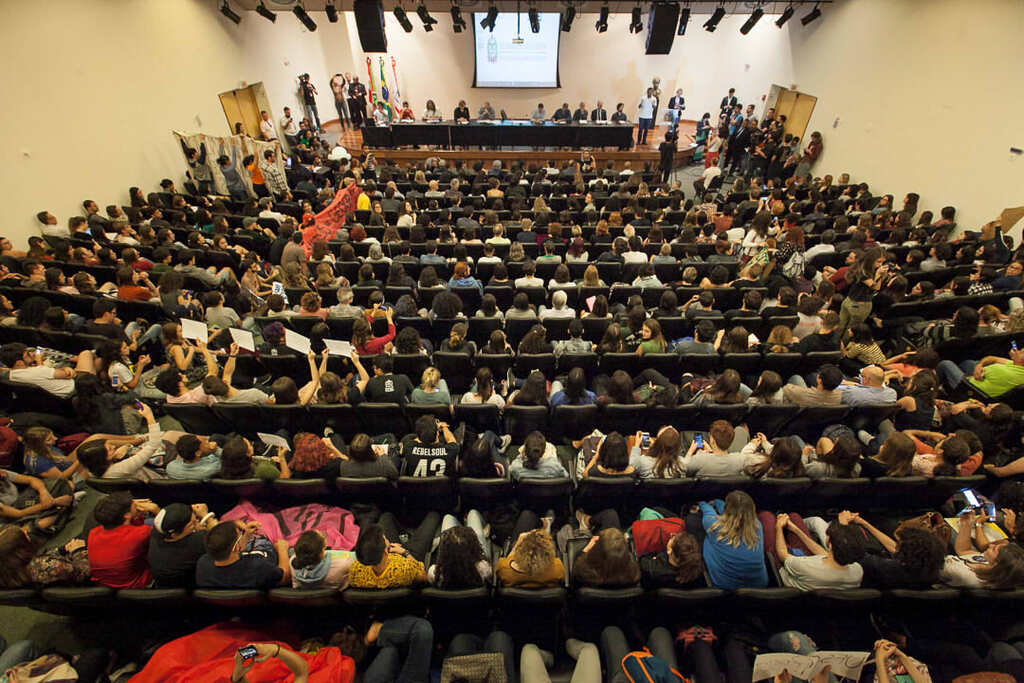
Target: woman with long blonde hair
[[733, 541]]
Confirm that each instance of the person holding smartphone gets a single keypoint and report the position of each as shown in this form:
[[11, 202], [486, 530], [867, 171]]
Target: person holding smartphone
[[247, 657]]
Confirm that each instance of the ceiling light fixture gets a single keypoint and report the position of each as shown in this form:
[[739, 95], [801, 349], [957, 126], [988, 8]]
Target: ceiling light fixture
[[567, 17], [262, 10], [784, 17], [458, 23], [403, 20], [755, 16], [636, 22], [488, 21], [811, 16], [300, 13], [711, 24], [684, 20], [602, 20], [332, 13], [534, 20], [229, 13], [424, 15]]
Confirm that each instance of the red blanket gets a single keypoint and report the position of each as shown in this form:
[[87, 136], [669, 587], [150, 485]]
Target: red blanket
[[207, 656]]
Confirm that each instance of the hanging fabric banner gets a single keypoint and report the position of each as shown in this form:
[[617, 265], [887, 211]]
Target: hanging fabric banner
[[236, 148], [398, 91], [385, 96], [327, 223], [373, 88]]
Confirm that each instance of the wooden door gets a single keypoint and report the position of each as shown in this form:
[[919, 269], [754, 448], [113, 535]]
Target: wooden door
[[784, 105], [803, 107], [232, 112], [250, 110]]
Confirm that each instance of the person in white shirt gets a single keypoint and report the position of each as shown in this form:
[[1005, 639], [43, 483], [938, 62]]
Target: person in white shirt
[[558, 308], [635, 254], [826, 245], [626, 169], [267, 127], [26, 367], [267, 211], [709, 174], [529, 279], [539, 115], [380, 115], [645, 116], [338, 152], [50, 227], [836, 565], [289, 127]]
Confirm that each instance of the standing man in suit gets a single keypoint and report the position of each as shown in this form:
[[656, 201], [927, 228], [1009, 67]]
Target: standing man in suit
[[728, 102], [676, 105], [356, 101], [599, 113]]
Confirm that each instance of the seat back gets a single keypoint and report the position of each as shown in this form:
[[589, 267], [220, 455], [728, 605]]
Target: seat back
[[525, 363], [601, 493], [573, 422], [484, 494], [427, 493], [371, 490], [544, 494], [197, 418], [521, 420], [383, 418]]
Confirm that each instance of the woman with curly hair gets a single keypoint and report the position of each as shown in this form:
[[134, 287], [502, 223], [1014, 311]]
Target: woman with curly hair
[[532, 562], [606, 561], [462, 553]]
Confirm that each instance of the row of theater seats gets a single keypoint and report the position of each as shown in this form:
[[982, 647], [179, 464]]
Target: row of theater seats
[[622, 493]]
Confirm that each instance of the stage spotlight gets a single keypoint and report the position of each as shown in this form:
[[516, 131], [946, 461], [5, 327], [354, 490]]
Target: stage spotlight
[[636, 23], [403, 20], [602, 20], [684, 19], [229, 13], [332, 13], [458, 23], [534, 20], [488, 21], [755, 16], [428, 21], [570, 14], [262, 10], [300, 13], [784, 17], [811, 16], [711, 24]]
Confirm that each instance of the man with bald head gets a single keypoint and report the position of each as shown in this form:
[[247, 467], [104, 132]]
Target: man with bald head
[[870, 390], [599, 113]]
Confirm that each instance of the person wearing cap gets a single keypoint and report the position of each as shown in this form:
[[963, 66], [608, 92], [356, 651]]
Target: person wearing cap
[[177, 542], [198, 458], [231, 561]]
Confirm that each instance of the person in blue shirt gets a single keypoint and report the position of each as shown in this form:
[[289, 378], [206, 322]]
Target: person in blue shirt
[[462, 278], [197, 459], [574, 392], [733, 542]]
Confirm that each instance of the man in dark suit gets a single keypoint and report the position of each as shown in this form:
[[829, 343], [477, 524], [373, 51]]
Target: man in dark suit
[[580, 114], [676, 105], [728, 102], [357, 101], [599, 113]]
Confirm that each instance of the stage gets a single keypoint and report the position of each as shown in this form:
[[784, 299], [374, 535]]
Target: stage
[[637, 156]]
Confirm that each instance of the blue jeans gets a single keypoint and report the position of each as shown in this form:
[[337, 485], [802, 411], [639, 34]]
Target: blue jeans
[[416, 637], [151, 334], [952, 375], [641, 134], [17, 653]]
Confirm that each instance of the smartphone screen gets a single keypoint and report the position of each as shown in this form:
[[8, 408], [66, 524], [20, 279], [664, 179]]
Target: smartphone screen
[[248, 652], [1013, 345], [990, 510], [645, 440], [971, 497], [699, 440]]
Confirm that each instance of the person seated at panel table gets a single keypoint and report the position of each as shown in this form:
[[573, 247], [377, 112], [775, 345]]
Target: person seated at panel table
[[562, 114], [430, 113], [485, 112], [381, 116], [461, 114], [581, 114], [406, 115], [539, 114], [619, 116]]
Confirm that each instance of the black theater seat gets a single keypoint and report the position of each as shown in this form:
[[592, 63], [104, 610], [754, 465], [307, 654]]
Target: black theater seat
[[375, 599], [79, 596], [154, 597], [301, 597], [230, 597]]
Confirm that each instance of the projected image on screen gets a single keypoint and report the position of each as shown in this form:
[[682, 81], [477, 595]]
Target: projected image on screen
[[503, 62]]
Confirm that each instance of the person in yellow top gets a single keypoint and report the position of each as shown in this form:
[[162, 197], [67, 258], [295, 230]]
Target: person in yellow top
[[381, 563], [363, 202]]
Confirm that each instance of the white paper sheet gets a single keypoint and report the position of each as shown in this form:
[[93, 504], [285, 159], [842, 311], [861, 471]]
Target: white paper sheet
[[243, 338], [274, 440], [294, 340], [193, 329], [338, 348]]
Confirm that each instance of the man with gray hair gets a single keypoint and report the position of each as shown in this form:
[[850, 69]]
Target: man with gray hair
[[344, 307], [267, 210], [558, 307]]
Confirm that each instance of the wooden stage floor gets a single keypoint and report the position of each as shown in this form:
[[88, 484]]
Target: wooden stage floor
[[637, 156]]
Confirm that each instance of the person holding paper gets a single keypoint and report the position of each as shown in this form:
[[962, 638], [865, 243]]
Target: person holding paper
[[333, 389], [221, 390], [172, 383], [287, 393]]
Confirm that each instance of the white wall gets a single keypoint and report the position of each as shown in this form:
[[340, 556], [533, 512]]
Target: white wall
[[929, 94]]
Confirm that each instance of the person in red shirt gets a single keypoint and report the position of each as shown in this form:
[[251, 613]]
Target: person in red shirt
[[362, 335], [119, 547], [129, 289]]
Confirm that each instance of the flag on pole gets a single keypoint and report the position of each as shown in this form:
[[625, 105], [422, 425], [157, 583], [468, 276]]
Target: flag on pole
[[398, 93], [385, 96], [372, 89]]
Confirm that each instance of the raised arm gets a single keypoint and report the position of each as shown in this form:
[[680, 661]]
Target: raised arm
[[364, 377], [887, 542], [811, 544], [307, 392], [229, 366]]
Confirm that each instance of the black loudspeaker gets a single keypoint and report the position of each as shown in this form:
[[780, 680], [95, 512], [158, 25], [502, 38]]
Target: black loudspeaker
[[370, 23], [661, 28]]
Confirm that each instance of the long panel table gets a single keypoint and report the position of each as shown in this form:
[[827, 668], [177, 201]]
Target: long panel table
[[500, 134]]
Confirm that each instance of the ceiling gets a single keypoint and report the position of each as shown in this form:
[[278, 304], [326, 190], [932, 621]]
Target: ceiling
[[583, 6]]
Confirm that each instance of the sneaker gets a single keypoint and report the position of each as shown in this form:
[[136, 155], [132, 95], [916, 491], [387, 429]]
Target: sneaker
[[865, 437], [504, 442], [328, 431], [584, 520], [78, 496], [547, 520]]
